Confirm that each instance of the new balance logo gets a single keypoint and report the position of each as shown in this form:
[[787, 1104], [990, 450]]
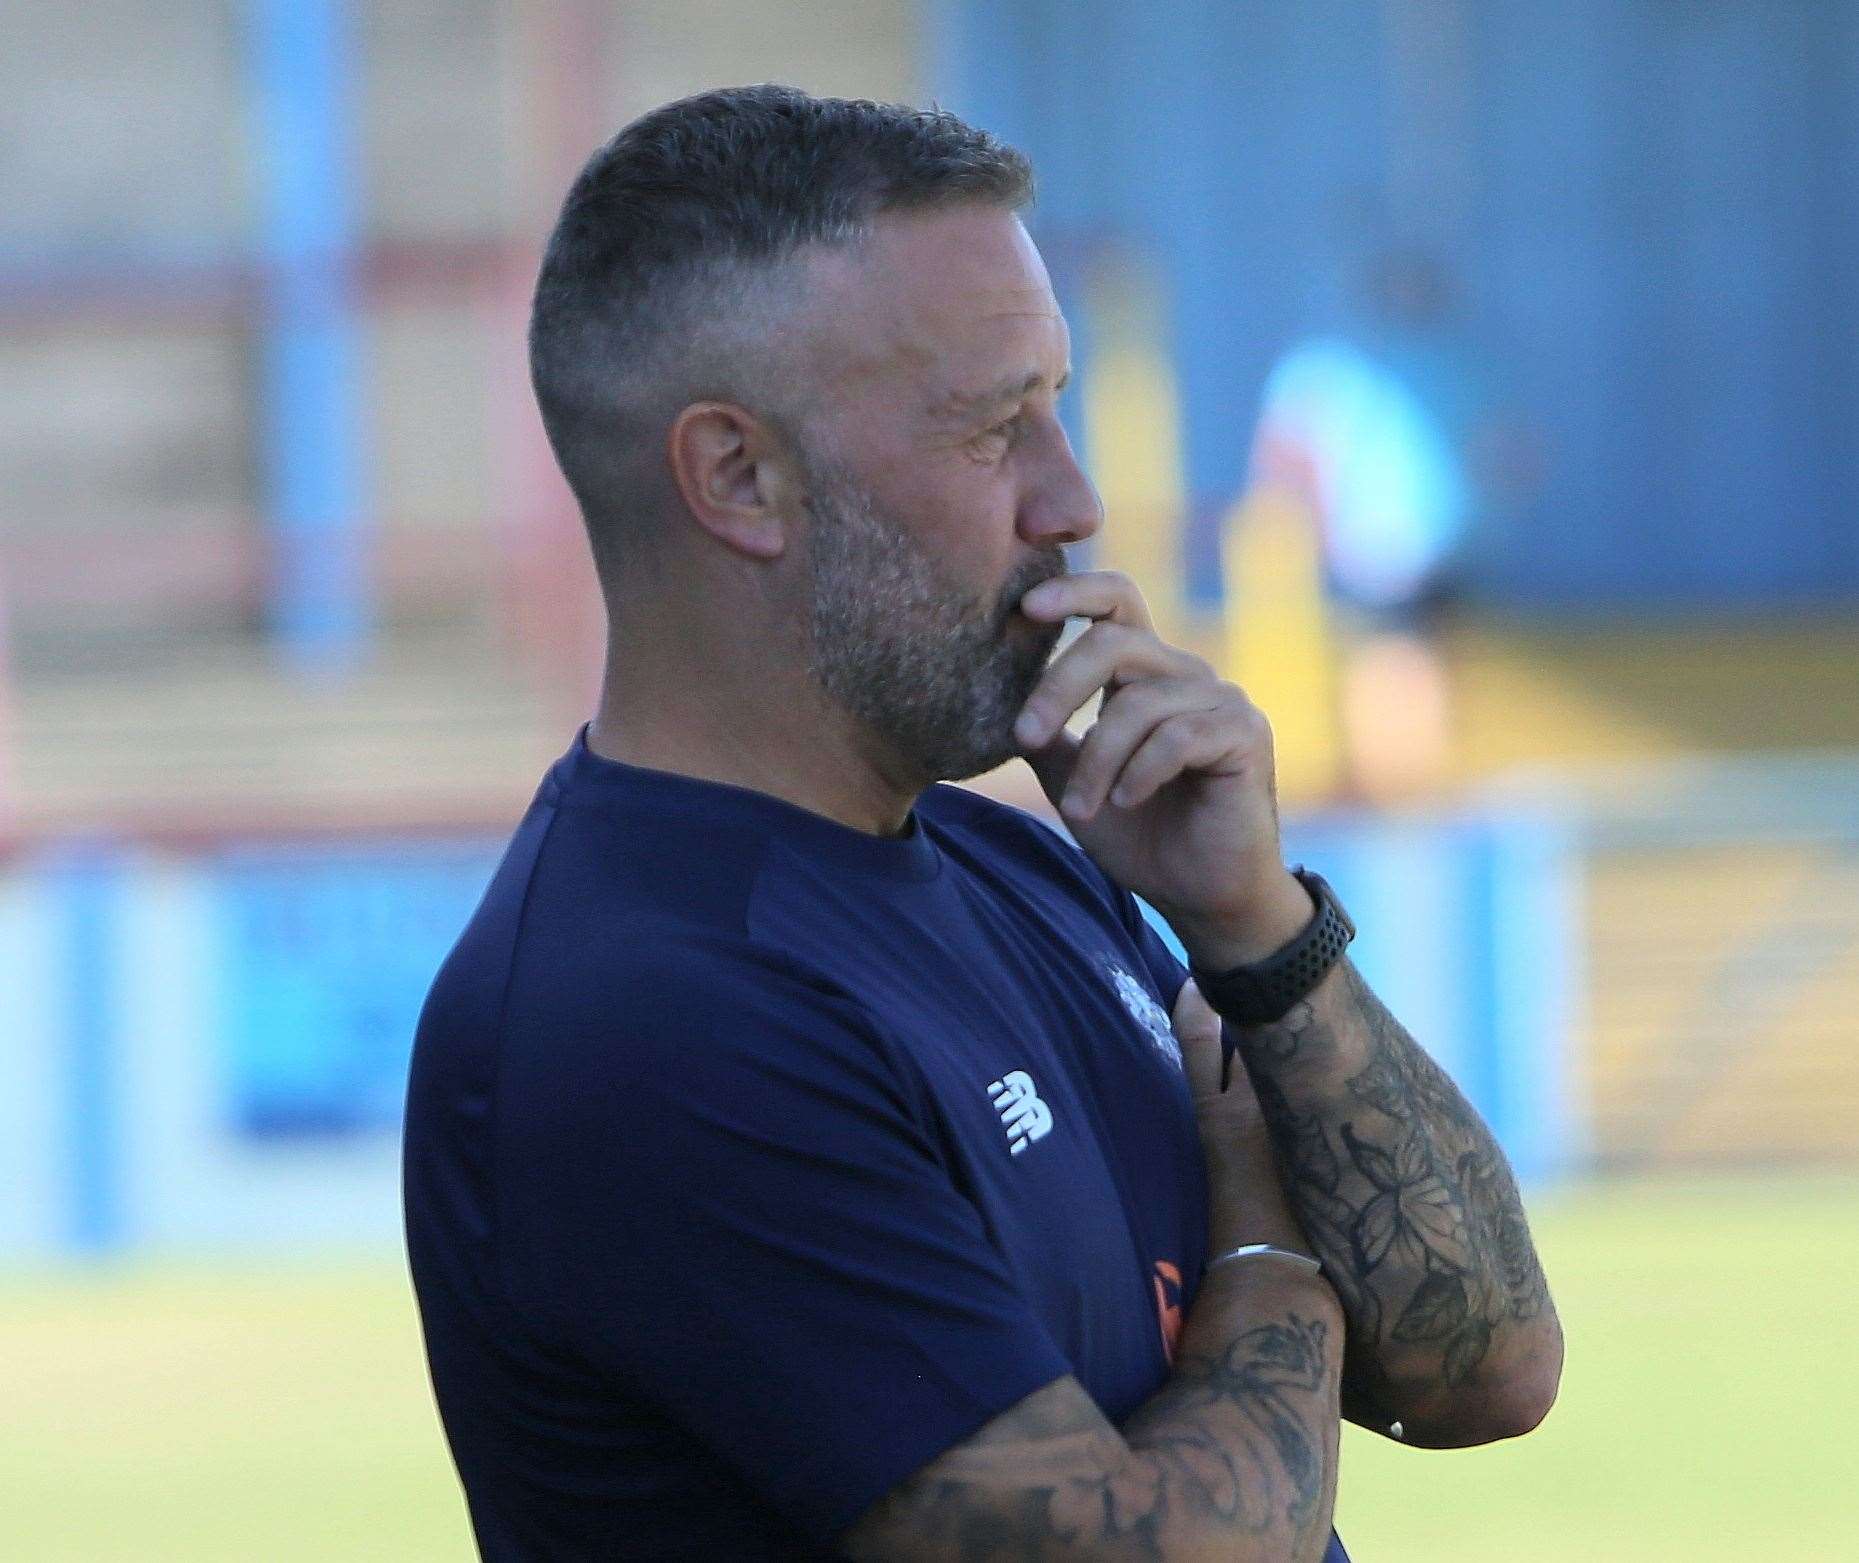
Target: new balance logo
[[1023, 1115]]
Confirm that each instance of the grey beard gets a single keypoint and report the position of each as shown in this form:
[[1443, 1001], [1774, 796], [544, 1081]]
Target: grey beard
[[925, 666]]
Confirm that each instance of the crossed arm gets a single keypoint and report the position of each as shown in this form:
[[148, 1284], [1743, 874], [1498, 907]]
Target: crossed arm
[[1234, 1457], [1411, 1206], [1432, 1295]]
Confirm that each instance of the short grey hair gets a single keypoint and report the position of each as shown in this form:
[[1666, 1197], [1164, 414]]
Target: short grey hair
[[668, 263]]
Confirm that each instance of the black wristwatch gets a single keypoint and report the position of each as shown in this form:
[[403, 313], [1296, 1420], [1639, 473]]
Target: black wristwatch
[[1263, 992]]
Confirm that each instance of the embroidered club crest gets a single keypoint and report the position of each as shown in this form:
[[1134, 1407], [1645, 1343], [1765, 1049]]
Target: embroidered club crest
[[1146, 1012]]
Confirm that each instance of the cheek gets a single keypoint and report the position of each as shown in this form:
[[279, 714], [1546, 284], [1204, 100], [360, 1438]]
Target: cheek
[[961, 512], [974, 521]]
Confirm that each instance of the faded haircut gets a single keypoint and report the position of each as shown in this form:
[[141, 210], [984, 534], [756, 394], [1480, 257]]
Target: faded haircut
[[671, 263]]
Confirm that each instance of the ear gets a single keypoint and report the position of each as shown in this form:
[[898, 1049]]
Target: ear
[[731, 471]]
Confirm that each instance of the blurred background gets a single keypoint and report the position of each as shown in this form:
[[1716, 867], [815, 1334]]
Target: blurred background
[[1477, 381]]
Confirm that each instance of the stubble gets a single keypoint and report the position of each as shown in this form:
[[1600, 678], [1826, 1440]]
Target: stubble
[[936, 671]]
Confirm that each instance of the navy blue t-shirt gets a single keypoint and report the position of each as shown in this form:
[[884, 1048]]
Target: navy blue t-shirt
[[753, 1161]]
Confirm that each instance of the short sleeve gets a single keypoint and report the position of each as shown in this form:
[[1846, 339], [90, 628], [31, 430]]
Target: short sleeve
[[743, 1219]]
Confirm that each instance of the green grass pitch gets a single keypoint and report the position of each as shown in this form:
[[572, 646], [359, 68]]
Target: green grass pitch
[[282, 1413]]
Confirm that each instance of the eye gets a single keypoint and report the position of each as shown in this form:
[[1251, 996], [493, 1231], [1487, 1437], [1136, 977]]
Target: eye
[[1001, 435]]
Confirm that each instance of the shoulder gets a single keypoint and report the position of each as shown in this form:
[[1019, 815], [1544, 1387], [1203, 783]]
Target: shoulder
[[664, 981], [621, 916], [693, 1025]]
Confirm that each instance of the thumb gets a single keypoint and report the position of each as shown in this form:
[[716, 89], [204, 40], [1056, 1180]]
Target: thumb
[[1197, 1029], [1053, 764]]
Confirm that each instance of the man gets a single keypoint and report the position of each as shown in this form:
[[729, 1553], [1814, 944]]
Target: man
[[799, 1155]]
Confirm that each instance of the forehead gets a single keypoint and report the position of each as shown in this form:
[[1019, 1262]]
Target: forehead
[[939, 305]]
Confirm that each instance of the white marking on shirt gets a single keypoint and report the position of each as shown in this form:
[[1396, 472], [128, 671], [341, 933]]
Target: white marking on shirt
[[1023, 1115]]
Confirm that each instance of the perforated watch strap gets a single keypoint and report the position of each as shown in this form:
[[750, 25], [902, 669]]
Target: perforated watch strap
[[1264, 991]]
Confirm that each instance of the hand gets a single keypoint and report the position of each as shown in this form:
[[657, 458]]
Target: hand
[[1171, 792], [1204, 1061], [1246, 1201]]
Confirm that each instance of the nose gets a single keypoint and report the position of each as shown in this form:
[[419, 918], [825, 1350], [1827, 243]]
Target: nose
[[1060, 504]]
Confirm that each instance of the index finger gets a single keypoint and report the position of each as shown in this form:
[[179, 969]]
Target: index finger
[[1090, 594]]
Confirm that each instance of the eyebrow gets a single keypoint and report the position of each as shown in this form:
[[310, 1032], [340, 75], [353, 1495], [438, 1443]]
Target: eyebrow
[[962, 403]]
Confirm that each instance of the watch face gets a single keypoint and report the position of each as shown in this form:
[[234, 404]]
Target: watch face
[[1324, 896]]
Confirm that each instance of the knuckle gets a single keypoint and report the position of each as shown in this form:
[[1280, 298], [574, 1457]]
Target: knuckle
[[1179, 736], [1240, 706], [1067, 681], [1145, 697], [1242, 703], [1206, 722], [1108, 635], [1095, 755]]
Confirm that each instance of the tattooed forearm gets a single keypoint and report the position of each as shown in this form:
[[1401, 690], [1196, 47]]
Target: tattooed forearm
[[1262, 1466], [1406, 1198], [1237, 1450]]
